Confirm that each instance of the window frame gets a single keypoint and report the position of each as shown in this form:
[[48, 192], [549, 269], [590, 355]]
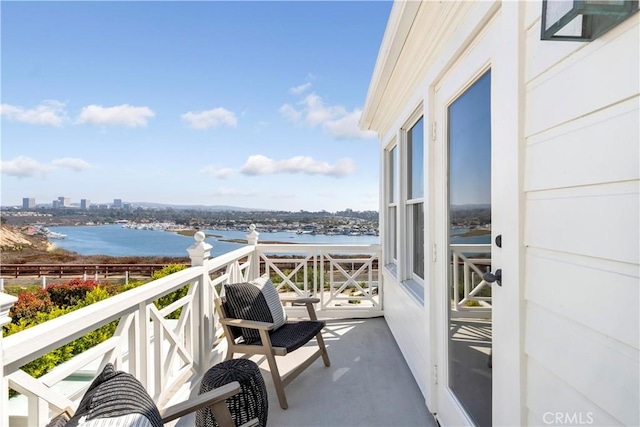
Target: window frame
[[412, 281], [392, 195]]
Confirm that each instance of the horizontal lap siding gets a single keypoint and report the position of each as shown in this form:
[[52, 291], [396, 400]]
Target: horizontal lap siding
[[586, 289], [582, 227], [598, 221], [600, 148], [560, 398], [586, 362], [592, 77]]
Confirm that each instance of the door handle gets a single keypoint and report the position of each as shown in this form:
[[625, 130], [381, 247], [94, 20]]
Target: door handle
[[493, 277]]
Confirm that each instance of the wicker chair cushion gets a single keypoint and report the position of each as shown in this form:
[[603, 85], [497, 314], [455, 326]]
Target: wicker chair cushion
[[116, 398], [270, 292], [293, 335], [257, 300]]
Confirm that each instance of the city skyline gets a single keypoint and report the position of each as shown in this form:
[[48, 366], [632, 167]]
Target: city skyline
[[197, 103], [31, 203]]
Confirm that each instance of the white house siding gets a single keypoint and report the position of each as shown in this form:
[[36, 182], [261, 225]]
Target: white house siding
[[582, 227], [407, 318], [581, 212], [408, 323]]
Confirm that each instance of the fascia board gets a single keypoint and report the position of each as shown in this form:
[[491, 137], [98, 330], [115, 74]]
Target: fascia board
[[401, 20]]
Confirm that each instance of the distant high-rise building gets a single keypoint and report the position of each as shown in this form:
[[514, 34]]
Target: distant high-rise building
[[117, 203], [127, 206], [56, 204], [65, 202], [28, 203], [85, 203]]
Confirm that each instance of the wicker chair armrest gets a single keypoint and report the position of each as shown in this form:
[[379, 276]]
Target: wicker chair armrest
[[251, 324], [215, 399]]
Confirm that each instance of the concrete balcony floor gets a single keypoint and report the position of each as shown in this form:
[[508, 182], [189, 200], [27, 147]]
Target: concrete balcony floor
[[367, 384]]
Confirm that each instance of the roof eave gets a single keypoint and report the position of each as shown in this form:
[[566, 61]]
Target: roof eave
[[400, 21]]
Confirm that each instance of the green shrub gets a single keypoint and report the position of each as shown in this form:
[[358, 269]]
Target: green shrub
[[354, 301], [169, 269], [46, 363], [39, 306], [70, 293], [169, 298], [29, 304]]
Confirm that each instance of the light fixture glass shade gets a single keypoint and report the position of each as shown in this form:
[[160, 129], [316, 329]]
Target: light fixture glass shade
[[583, 20]]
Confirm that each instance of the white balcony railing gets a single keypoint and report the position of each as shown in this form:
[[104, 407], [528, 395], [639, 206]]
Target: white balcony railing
[[166, 353], [471, 293]]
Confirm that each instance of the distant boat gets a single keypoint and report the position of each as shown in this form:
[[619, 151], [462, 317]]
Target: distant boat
[[54, 235]]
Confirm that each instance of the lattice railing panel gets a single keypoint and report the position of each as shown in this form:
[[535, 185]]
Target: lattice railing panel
[[468, 264]]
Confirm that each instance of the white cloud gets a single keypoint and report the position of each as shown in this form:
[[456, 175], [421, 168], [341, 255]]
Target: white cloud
[[24, 167], [119, 115], [298, 90], [76, 165], [48, 113], [290, 113], [317, 112], [221, 173], [262, 165], [347, 127], [210, 118], [335, 119]]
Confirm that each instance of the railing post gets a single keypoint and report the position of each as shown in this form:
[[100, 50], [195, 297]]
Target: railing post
[[200, 252], [6, 302], [252, 239], [456, 299]]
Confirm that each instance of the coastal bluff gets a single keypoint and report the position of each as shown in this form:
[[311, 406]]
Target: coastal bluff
[[16, 238]]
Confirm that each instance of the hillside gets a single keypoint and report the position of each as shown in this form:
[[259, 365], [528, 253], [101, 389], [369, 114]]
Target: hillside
[[15, 239]]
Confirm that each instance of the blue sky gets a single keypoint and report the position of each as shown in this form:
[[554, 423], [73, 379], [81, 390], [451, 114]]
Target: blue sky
[[251, 104]]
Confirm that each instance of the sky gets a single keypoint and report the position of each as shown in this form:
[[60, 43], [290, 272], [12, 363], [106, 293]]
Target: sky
[[247, 104]]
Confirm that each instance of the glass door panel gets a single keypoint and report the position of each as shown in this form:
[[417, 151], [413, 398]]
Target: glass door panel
[[469, 221]]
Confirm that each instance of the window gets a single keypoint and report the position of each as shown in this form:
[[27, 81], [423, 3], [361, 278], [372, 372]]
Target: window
[[391, 200], [403, 205], [415, 200]]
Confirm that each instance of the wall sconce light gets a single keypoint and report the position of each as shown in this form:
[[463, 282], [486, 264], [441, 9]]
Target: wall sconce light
[[583, 20]]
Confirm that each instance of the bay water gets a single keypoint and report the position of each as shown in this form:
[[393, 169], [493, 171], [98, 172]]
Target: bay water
[[115, 240]]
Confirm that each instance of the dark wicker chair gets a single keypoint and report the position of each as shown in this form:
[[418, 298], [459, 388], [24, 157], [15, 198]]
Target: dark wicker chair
[[115, 394], [245, 407], [275, 341]]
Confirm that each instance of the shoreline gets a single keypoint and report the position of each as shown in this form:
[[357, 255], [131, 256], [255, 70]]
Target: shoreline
[[473, 233]]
